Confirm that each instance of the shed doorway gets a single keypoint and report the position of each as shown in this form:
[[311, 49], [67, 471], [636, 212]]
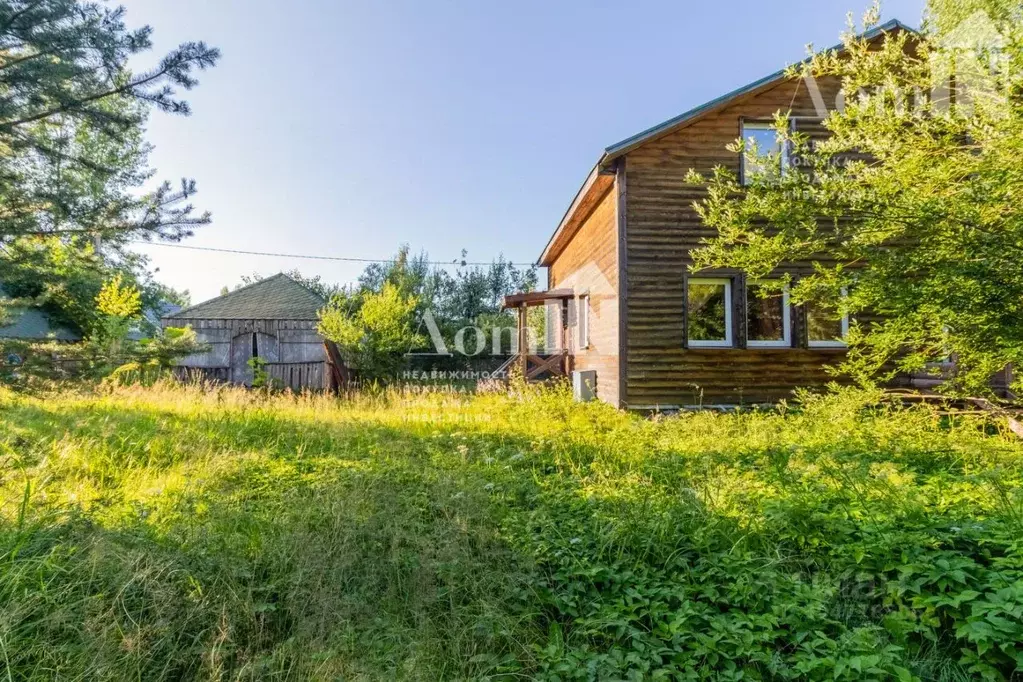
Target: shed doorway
[[244, 347]]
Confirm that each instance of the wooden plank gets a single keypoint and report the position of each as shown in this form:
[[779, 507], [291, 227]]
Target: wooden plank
[[536, 298]]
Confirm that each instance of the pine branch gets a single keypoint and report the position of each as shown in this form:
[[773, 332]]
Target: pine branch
[[176, 66], [17, 15]]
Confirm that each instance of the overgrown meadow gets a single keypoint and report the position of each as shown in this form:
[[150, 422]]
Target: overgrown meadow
[[173, 534]]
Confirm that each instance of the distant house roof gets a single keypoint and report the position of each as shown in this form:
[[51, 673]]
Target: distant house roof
[[599, 179], [150, 321], [33, 324], [275, 298]]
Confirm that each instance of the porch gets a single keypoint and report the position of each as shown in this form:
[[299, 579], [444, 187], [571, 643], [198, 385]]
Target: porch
[[533, 363]]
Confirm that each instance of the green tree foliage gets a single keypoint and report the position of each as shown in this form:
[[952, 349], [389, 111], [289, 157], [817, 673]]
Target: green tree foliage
[[150, 359], [73, 157], [63, 275], [913, 199], [373, 330], [120, 300], [71, 121], [118, 305], [415, 288]]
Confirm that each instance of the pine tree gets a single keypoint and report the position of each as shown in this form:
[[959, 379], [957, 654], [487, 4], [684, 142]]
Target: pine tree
[[72, 153]]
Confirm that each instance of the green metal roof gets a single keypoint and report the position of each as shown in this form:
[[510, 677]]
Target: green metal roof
[[275, 298], [628, 143]]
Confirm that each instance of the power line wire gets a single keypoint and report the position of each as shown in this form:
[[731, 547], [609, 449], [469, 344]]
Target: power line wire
[[344, 259]]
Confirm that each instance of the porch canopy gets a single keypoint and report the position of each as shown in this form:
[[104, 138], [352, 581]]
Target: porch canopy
[[533, 366], [535, 298]]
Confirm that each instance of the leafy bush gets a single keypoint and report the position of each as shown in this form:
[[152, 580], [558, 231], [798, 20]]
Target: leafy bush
[[433, 536], [144, 361], [372, 330]]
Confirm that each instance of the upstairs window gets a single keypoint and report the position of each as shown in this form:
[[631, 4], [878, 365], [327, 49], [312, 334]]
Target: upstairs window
[[768, 317], [824, 329], [710, 313], [764, 137]]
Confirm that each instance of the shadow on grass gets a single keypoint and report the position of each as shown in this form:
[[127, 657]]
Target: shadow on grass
[[261, 545], [216, 548]]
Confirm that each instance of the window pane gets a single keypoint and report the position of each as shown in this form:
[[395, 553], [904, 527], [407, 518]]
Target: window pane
[[765, 314], [821, 323], [708, 318], [765, 137]]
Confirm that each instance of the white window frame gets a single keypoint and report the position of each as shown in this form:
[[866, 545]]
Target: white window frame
[[759, 125], [584, 321], [729, 340], [835, 343], [786, 341]]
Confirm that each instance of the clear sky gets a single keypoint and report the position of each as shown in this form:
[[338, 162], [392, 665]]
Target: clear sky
[[344, 128]]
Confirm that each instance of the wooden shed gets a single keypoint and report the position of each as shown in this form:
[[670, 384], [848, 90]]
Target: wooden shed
[[273, 319]]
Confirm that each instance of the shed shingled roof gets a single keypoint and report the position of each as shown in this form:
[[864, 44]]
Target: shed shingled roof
[[275, 298]]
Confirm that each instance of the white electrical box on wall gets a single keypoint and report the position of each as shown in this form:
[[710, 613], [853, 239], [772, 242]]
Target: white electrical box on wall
[[584, 385]]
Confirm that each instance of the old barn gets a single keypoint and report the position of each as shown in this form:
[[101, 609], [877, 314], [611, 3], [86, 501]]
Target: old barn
[[273, 319]]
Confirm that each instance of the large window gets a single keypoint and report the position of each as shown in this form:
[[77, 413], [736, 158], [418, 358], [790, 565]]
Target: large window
[[710, 313], [768, 321], [765, 137], [824, 328]]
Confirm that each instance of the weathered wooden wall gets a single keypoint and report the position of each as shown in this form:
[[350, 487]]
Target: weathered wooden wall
[[662, 229], [291, 348], [300, 375], [589, 265]]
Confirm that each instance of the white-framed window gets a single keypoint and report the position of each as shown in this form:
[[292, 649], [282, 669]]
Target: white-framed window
[[823, 328], [709, 313], [764, 136], [768, 316], [584, 321]]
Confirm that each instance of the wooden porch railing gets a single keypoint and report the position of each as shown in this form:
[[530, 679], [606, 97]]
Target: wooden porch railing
[[535, 365]]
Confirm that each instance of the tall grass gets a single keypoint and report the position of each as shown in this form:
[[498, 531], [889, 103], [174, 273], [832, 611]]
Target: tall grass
[[172, 533]]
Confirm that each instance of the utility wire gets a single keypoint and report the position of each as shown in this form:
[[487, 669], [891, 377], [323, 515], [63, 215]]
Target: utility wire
[[344, 259]]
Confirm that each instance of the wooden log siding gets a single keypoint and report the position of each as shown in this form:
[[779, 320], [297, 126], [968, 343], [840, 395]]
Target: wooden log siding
[[663, 230], [589, 266]]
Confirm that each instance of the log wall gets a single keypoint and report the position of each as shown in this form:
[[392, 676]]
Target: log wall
[[663, 229], [589, 266]]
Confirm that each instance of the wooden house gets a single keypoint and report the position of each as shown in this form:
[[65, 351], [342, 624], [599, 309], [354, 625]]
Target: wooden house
[[656, 335], [273, 319]]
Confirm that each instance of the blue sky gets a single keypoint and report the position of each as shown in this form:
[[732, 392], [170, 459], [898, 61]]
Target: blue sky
[[346, 128]]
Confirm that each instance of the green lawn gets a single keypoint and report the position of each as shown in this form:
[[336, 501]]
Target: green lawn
[[164, 534]]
